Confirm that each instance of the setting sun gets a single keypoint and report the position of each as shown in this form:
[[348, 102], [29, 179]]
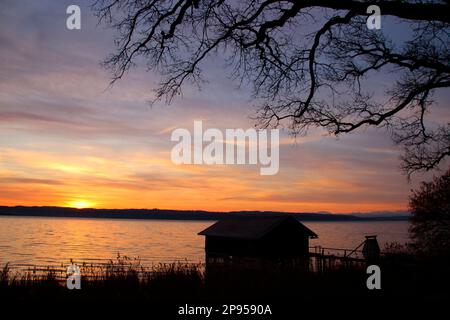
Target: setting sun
[[81, 204]]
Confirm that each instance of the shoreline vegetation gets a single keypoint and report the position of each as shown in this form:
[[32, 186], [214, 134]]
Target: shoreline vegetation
[[404, 275], [163, 214]]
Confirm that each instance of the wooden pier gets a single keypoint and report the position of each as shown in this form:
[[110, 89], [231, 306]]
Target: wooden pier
[[322, 258]]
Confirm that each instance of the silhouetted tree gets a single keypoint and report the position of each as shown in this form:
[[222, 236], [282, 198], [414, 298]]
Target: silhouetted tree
[[430, 206], [309, 61]]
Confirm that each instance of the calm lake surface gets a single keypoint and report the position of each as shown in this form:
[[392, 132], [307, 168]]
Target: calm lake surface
[[50, 241]]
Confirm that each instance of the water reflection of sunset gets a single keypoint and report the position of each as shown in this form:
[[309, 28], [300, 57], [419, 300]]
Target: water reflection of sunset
[[46, 241]]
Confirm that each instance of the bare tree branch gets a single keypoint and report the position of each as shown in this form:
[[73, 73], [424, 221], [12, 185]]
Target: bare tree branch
[[310, 62]]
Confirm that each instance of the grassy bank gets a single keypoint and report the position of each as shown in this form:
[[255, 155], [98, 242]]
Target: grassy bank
[[126, 279]]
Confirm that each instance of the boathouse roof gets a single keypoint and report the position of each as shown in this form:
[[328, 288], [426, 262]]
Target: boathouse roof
[[253, 228]]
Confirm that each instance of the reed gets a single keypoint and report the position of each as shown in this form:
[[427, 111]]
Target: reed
[[125, 278]]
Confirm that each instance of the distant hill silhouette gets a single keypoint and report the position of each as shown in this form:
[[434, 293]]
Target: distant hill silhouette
[[163, 214]]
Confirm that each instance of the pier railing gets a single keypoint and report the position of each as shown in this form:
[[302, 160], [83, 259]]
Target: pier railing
[[336, 252]]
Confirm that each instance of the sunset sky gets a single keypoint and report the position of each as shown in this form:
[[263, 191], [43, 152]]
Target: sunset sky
[[68, 139]]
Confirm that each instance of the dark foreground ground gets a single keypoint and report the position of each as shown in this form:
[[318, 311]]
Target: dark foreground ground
[[173, 290]]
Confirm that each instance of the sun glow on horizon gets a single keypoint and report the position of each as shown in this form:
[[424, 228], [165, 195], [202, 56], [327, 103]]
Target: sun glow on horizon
[[81, 204]]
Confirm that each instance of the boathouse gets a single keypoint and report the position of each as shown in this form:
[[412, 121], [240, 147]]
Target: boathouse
[[280, 237]]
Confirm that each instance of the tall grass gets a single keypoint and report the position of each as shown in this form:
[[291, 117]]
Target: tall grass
[[125, 278]]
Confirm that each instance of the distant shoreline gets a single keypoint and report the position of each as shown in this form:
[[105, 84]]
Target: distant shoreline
[[162, 214]]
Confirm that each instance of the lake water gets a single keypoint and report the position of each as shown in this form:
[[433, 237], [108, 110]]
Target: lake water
[[50, 241]]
